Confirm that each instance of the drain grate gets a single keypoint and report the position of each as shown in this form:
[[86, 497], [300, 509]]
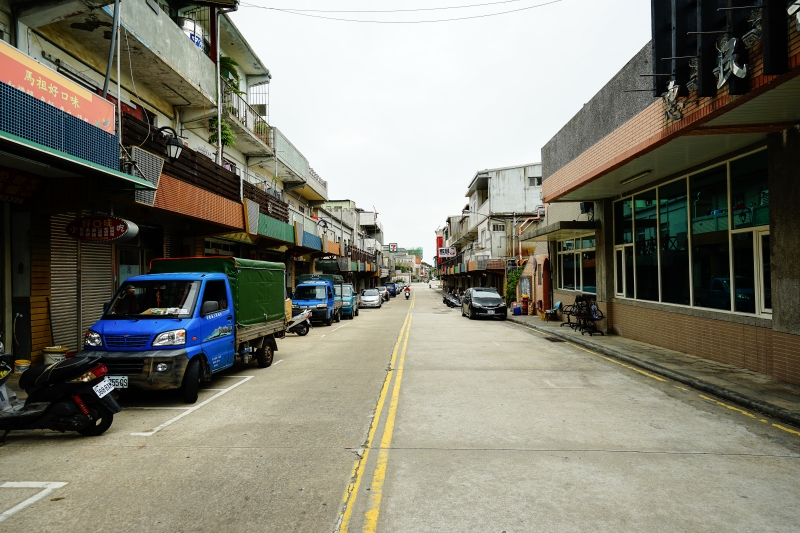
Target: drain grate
[[553, 339]]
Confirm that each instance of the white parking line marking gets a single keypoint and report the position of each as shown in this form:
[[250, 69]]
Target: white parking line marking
[[47, 488], [550, 383], [193, 409], [321, 336], [340, 327], [277, 362], [155, 408]]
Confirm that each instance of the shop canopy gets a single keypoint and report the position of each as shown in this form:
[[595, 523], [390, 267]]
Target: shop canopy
[[559, 231], [33, 157]]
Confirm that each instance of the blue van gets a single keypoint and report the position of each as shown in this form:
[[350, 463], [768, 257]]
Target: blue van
[[392, 288], [317, 293]]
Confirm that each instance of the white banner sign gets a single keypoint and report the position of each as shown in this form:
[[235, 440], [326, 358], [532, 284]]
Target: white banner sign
[[447, 252]]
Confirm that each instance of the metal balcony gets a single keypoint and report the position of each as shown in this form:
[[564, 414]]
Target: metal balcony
[[252, 131]]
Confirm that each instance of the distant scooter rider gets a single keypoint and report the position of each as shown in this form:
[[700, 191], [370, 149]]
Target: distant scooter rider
[[407, 292]]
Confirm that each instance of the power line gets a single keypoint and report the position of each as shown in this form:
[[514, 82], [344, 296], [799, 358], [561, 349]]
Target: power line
[[292, 12], [386, 10]]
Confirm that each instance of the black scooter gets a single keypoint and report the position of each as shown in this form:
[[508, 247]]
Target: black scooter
[[70, 395]]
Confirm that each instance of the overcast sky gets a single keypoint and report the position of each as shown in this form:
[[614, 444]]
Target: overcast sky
[[401, 116]]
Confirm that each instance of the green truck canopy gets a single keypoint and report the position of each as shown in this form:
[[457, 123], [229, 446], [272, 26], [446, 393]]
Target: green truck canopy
[[257, 287]]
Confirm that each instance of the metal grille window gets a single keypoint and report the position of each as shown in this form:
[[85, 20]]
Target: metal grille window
[[701, 240]]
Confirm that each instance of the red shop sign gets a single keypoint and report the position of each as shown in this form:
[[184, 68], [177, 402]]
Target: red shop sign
[[102, 229]]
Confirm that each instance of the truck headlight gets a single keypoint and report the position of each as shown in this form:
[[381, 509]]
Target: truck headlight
[[322, 306], [92, 338], [170, 338]]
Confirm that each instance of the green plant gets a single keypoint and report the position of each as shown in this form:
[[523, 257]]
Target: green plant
[[228, 135], [512, 280], [261, 129], [227, 67]]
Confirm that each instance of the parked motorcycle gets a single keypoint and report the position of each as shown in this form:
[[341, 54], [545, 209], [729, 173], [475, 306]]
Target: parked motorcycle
[[300, 323], [70, 395]]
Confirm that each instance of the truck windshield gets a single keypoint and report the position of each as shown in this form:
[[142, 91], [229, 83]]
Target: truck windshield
[[310, 292], [348, 292], [152, 299]]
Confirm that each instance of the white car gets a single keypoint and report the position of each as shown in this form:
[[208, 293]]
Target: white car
[[371, 298]]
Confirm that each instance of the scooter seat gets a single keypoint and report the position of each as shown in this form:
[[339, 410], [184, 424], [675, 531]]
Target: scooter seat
[[57, 372]]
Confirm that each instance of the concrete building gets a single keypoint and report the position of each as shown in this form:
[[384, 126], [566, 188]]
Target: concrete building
[[685, 248], [67, 184], [500, 203]]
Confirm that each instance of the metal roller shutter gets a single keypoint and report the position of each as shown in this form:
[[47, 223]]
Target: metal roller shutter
[[63, 282], [96, 281]]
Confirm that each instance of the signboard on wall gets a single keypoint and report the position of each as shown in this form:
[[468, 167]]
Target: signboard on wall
[[392, 246], [17, 187], [102, 229], [31, 77], [447, 252]]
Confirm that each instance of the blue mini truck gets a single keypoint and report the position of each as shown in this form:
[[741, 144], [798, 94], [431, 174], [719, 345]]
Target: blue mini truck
[[189, 319]]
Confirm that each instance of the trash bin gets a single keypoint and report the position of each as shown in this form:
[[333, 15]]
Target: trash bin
[[54, 354], [517, 311]]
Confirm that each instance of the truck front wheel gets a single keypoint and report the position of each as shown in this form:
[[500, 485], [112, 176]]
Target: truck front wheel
[[191, 381], [264, 356]]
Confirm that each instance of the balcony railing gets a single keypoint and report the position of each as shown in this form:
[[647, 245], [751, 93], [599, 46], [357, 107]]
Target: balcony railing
[[238, 108], [315, 176]]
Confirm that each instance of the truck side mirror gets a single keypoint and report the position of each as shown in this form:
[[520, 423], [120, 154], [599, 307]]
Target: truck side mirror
[[209, 307]]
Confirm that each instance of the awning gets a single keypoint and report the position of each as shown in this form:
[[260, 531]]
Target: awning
[[565, 229], [39, 159]]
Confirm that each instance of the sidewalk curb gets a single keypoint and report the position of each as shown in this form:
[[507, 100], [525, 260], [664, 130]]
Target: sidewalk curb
[[756, 405]]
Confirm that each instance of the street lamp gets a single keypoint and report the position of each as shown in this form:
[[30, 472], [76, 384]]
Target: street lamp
[[324, 225], [174, 146]]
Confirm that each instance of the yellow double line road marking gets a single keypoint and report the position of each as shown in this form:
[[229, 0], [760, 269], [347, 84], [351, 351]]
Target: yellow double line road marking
[[378, 478]]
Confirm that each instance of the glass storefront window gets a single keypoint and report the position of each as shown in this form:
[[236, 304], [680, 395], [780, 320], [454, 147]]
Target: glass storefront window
[[629, 283], [710, 250], [750, 191], [618, 268], [744, 284], [588, 242], [766, 276], [623, 222], [646, 245], [709, 196], [569, 271], [674, 228], [589, 269]]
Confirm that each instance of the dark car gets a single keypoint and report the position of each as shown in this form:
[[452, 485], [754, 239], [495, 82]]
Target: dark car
[[392, 288], [483, 301]]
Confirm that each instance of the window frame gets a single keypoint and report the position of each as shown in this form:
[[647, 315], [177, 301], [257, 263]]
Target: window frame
[[756, 231], [577, 252]]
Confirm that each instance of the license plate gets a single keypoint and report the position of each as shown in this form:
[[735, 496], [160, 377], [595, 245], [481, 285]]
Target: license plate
[[103, 388], [119, 382], [489, 312]]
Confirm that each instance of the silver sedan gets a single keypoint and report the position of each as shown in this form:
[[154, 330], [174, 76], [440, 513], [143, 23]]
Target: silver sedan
[[371, 298]]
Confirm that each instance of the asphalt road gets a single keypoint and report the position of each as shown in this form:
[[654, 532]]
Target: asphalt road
[[482, 426]]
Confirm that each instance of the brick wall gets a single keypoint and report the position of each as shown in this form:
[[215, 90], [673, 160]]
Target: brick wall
[[650, 129], [755, 348]]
